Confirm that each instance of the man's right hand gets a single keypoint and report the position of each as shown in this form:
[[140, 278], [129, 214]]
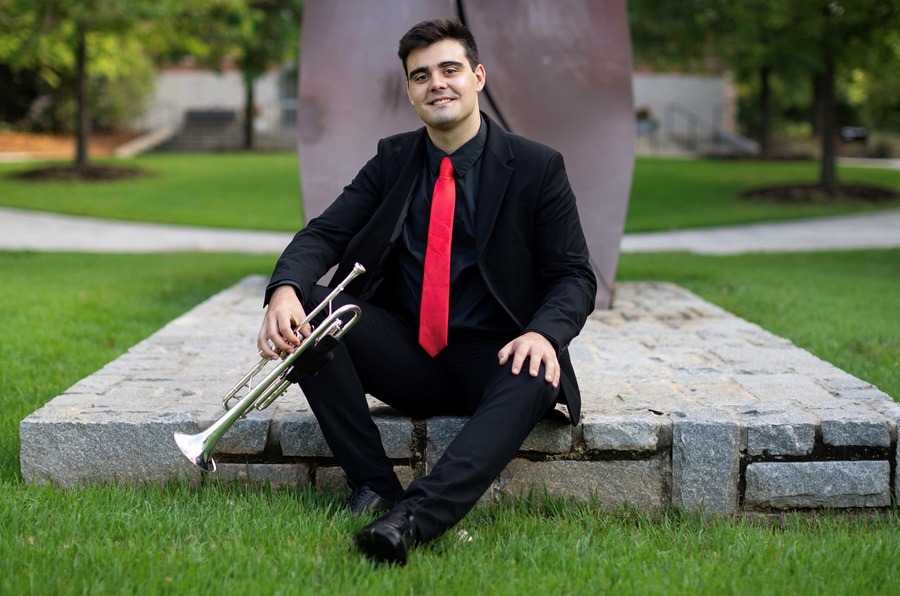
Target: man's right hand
[[284, 313]]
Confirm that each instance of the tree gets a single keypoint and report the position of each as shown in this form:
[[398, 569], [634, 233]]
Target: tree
[[273, 38], [840, 34], [814, 40], [56, 38], [255, 34]]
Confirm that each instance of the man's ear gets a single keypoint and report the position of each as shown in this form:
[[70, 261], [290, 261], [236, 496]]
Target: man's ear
[[480, 77]]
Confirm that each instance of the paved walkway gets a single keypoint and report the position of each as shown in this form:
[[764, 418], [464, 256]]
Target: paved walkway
[[32, 230]]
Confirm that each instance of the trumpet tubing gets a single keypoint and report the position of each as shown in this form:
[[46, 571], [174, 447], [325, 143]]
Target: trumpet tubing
[[198, 448]]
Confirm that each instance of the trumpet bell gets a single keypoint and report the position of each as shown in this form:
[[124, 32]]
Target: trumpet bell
[[193, 447]]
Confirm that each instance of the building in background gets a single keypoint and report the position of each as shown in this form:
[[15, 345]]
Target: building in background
[[202, 110]]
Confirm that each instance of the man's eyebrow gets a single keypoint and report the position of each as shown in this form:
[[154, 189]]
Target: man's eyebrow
[[444, 64]]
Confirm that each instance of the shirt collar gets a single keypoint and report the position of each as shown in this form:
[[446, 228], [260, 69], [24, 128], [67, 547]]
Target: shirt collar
[[463, 158]]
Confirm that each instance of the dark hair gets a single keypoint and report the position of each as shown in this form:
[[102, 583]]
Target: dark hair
[[428, 33]]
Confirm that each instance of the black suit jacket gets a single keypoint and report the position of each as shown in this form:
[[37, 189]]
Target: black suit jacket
[[531, 247]]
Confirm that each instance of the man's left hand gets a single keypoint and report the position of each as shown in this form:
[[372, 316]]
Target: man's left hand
[[538, 350]]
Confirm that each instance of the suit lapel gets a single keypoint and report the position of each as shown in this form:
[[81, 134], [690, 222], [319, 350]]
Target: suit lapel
[[412, 156], [495, 175]]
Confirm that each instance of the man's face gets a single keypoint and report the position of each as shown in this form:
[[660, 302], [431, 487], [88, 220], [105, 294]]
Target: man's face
[[442, 86]]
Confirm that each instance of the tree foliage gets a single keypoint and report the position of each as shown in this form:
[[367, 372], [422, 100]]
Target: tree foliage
[[95, 59], [801, 42], [80, 47], [254, 35]]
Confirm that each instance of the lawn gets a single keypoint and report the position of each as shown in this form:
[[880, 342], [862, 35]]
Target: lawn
[[230, 190], [261, 191], [66, 315]]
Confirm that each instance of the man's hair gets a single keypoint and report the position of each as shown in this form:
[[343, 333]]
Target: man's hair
[[429, 33]]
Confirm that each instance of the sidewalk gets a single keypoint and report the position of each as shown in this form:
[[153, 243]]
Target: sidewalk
[[879, 229], [32, 230]]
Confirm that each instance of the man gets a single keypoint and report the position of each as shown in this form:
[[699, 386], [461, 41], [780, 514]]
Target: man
[[478, 279]]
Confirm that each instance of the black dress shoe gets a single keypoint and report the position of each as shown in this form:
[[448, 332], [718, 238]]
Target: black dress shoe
[[388, 539], [365, 500]]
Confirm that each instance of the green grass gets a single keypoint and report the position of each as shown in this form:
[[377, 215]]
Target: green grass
[[66, 315], [257, 541], [231, 190], [679, 194], [261, 191]]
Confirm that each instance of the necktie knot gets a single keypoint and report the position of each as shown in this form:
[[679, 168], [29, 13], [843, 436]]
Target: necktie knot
[[446, 168]]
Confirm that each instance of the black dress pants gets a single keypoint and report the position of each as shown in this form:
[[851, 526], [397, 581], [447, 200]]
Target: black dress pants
[[381, 356]]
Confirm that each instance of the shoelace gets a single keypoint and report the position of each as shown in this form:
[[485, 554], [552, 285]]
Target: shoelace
[[360, 496]]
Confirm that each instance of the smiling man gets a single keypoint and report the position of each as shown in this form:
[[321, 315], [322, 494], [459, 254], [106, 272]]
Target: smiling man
[[478, 280]]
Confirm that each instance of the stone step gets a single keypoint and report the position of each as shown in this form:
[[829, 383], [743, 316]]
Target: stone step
[[684, 405]]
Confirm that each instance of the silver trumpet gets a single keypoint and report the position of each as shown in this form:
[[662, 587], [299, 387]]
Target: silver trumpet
[[199, 447]]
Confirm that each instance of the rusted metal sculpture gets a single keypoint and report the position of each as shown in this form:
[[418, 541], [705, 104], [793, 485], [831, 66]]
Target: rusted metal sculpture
[[557, 72]]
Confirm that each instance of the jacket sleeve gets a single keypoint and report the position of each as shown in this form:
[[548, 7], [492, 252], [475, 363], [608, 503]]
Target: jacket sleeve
[[563, 263], [321, 244]]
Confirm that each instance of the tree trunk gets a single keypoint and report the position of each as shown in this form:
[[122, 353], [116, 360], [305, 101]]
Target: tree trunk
[[249, 113], [827, 171], [765, 110], [817, 111], [82, 111]]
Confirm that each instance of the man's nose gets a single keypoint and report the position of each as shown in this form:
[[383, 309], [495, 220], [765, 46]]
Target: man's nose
[[438, 82]]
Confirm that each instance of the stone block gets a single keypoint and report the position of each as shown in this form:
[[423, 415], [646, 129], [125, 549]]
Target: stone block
[[246, 436], [440, 431], [714, 392], [332, 479], [130, 451], [705, 461], [778, 431], [550, 436], [846, 428], [301, 436], [283, 475], [818, 484], [640, 483], [636, 431], [787, 389]]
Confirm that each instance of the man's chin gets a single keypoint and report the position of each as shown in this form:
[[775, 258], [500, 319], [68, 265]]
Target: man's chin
[[443, 121]]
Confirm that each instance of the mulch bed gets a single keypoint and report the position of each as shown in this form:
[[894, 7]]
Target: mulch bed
[[89, 173], [814, 193]]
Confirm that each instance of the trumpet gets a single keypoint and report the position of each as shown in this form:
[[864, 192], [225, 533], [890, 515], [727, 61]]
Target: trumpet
[[198, 448]]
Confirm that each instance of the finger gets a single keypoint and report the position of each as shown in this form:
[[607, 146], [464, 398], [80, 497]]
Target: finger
[[305, 331], [275, 334], [287, 333], [551, 370], [262, 342], [519, 357], [536, 359], [503, 354]]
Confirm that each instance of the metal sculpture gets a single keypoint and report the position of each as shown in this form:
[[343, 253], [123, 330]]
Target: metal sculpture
[[558, 73]]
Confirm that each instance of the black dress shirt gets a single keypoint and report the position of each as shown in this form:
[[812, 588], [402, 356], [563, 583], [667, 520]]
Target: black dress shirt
[[472, 306]]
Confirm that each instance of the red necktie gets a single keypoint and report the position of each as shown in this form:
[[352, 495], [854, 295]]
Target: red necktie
[[435, 309]]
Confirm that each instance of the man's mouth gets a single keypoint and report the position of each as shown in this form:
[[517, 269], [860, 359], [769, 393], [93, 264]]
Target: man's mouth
[[441, 101]]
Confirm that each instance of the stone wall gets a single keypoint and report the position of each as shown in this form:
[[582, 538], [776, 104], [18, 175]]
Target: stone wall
[[684, 405]]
